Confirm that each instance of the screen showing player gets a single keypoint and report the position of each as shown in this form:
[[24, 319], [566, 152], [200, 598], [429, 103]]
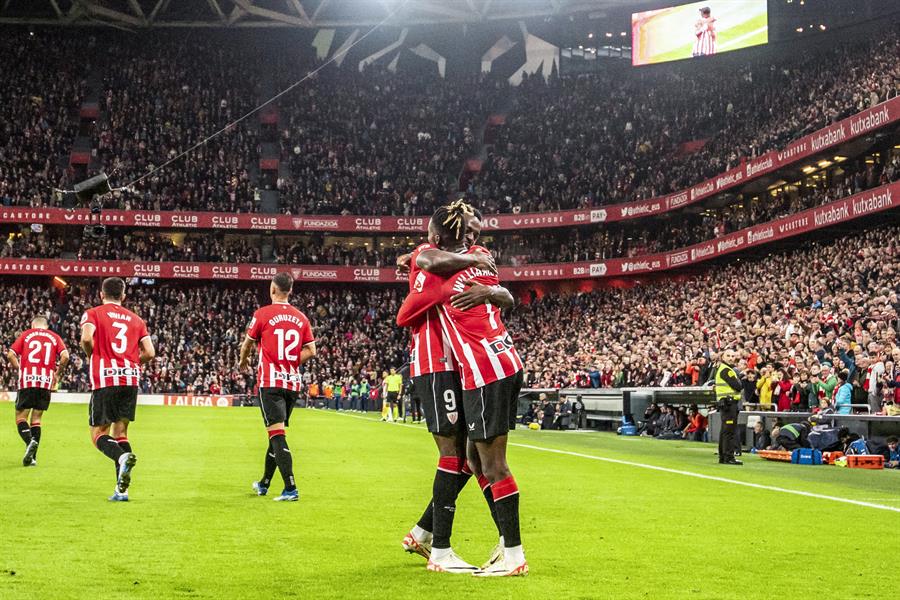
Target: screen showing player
[[697, 29]]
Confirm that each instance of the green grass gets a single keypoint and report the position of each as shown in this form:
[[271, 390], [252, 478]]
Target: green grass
[[591, 529]]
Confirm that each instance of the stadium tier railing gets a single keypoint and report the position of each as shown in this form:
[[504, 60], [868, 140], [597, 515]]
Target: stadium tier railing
[[832, 136], [863, 204]]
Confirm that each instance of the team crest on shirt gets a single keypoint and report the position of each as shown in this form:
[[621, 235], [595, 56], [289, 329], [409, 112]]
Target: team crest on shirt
[[452, 416]]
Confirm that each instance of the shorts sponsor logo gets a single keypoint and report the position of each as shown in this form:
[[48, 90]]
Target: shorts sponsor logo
[[225, 272], [263, 222], [367, 223], [227, 222], [598, 269], [366, 274]]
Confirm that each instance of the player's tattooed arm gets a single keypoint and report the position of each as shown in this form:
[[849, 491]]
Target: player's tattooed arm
[[441, 261], [476, 294]]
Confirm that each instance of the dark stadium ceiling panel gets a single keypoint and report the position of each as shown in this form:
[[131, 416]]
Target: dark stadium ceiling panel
[[288, 13]]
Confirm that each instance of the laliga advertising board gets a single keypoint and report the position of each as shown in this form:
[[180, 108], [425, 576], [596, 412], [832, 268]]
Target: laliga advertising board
[[697, 29]]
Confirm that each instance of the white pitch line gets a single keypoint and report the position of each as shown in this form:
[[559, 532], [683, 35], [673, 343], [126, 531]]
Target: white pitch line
[[759, 486]]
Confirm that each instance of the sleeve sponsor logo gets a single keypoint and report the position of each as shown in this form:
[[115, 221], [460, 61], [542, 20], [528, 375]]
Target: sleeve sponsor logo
[[419, 283]]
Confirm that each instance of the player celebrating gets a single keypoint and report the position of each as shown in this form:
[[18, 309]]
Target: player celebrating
[[117, 342], [491, 373], [34, 354], [285, 342], [705, 32], [435, 383]]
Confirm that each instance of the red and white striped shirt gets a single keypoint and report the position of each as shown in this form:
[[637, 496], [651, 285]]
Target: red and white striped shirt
[[117, 334], [37, 350], [281, 331], [478, 338], [429, 348], [705, 30]]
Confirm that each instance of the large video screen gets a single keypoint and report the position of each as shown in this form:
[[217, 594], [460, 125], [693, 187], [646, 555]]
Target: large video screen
[[697, 29]]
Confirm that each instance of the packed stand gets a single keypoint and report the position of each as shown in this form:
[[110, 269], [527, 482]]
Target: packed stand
[[800, 320], [614, 136]]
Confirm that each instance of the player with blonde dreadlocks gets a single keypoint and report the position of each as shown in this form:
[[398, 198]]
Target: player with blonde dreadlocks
[[470, 298]]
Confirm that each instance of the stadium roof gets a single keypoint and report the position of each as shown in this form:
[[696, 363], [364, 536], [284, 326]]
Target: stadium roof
[[288, 13]]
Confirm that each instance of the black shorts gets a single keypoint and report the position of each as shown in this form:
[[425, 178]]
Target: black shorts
[[277, 404], [111, 404], [441, 396], [393, 397], [491, 410], [33, 398]]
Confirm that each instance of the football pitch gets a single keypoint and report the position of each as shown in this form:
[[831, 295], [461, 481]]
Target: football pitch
[[602, 516]]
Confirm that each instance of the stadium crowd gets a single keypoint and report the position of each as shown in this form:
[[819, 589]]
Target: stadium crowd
[[614, 240], [801, 321], [665, 130], [380, 142]]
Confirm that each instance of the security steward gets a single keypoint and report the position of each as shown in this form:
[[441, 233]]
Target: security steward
[[728, 388]]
